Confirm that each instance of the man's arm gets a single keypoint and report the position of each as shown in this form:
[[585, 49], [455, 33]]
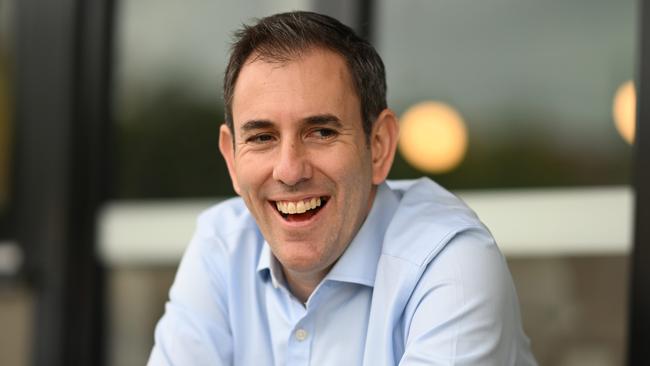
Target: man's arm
[[464, 310], [194, 329]]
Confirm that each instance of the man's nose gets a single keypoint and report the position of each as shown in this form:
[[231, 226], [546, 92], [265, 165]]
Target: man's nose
[[292, 165]]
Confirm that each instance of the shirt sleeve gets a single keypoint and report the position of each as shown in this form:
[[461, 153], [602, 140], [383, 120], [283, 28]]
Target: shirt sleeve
[[194, 329], [464, 310]]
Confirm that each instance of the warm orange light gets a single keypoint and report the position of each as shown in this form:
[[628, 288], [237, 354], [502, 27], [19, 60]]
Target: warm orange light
[[624, 111], [433, 137]]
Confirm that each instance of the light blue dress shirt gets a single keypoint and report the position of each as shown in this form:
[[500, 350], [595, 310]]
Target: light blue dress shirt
[[422, 283]]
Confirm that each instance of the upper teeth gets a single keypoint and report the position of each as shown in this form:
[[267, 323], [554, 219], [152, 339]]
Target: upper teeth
[[297, 206]]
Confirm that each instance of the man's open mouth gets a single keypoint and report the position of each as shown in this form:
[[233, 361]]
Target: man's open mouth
[[300, 210]]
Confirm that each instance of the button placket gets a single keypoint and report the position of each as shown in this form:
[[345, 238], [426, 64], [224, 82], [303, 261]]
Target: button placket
[[299, 347]]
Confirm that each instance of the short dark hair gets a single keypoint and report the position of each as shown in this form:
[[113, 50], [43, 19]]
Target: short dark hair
[[283, 37]]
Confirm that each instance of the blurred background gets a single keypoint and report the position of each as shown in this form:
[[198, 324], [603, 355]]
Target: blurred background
[[109, 117]]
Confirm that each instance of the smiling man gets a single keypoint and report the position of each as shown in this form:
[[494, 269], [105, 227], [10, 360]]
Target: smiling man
[[320, 261]]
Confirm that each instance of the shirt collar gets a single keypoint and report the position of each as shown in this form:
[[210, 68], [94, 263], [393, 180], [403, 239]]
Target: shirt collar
[[358, 264], [268, 266]]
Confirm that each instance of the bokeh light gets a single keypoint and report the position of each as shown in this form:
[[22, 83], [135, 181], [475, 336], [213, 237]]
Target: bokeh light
[[624, 111], [433, 137]]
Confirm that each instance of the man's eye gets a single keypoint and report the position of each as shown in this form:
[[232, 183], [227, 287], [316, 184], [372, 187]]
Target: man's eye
[[324, 133], [260, 139]]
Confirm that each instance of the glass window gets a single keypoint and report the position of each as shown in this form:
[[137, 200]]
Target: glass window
[[534, 82]]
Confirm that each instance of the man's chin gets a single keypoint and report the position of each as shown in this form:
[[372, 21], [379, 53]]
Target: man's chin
[[306, 265]]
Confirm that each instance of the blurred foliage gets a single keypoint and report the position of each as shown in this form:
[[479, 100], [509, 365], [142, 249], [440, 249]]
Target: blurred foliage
[[529, 157], [168, 148]]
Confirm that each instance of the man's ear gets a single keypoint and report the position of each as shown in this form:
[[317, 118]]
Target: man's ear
[[383, 143], [227, 148]]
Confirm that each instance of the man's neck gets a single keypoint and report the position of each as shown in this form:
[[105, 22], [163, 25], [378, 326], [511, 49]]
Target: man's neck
[[303, 285]]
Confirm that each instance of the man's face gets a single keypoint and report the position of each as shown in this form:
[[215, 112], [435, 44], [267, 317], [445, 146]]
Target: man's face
[[299, 146]]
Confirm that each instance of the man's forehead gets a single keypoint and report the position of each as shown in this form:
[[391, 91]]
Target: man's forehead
[[317, 77]]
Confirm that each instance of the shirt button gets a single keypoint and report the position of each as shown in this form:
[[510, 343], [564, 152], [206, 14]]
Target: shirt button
[[301, 335]]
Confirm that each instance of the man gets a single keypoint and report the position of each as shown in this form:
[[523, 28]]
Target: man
[[320, 261]]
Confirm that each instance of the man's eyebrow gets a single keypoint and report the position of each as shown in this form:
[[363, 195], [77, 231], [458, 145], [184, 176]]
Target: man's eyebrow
[[318, 120], [324, 119], [255, 124]]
